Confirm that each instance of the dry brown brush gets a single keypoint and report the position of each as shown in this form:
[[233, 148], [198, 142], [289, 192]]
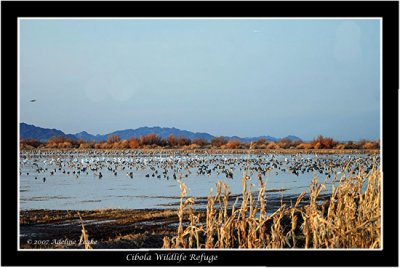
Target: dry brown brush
[[152, 140]]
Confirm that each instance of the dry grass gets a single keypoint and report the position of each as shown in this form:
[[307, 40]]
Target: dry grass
[[84, 237], [350, 218]]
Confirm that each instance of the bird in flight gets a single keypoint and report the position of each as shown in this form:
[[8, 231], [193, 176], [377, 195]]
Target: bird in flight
[[32, 100]]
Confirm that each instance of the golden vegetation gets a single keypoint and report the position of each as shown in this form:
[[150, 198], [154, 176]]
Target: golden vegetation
[[84, 237], [349, 218]]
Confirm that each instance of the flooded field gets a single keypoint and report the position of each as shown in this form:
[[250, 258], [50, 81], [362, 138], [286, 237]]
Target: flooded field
[[132, 199], [76, 180]]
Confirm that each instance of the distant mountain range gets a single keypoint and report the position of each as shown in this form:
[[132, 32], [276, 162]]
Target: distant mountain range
[[43, 134]]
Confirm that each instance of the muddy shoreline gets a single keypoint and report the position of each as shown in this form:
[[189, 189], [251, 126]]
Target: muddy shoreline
[[111, 228], [108, 228]]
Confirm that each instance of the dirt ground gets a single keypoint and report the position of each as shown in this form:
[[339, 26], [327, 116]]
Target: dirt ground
[[111, 228]]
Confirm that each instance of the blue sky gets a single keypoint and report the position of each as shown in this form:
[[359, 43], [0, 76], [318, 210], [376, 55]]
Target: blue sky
[[225, 77]]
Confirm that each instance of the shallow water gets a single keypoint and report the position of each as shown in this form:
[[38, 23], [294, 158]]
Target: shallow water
[[87, 191]]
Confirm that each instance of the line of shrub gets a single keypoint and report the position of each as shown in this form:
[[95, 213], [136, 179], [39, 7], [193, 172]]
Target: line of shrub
[[154, 141]]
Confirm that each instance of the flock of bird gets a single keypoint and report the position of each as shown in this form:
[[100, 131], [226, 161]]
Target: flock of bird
[[44, 165]]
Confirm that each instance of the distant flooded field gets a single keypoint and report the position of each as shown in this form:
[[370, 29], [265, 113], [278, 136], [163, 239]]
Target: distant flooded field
[[80, 180]]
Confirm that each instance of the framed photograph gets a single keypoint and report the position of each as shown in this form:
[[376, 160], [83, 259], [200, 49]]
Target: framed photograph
[[199, 133]]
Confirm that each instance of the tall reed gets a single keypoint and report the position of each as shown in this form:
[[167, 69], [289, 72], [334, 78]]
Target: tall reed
[[349, 218], [84, 237]]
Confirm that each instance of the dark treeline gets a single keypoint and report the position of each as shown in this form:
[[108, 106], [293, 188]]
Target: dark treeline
[[153, 141]]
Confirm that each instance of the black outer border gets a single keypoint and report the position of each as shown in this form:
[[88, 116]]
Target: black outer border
[[386, 10]]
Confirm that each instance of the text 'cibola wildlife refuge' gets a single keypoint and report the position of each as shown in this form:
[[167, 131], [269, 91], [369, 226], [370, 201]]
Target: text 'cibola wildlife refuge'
[[176, 257]]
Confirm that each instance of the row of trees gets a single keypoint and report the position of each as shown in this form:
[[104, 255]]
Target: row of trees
[[155, 141]]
